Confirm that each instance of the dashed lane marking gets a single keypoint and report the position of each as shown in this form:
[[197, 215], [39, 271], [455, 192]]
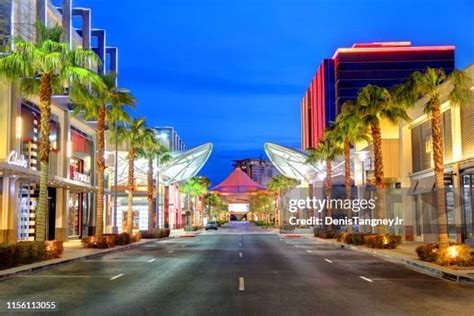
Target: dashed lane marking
[[151, 260], [117, 276], [366, 279], [327, 260], [241, 284]]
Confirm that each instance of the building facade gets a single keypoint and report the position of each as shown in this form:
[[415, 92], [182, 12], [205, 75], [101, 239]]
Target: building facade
[[259, 170], [340, 78], [71, 209]]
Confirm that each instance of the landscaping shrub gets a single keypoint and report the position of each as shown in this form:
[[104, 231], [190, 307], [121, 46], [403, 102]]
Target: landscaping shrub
[[358, 239], [383, 241], [53, 249], [316, 231], [26, 252], [348, 238], [166, 232], [326, 234], [190, 228], [101, 242], [368, 236], [136, 237], [341, 236], [122, 239], [428, 252], [7, 252]]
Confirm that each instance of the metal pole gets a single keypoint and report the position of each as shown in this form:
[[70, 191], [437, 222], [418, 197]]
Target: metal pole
[[158, 215], [114, 227]]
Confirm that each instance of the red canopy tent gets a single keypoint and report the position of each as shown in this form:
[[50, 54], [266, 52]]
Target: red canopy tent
[[238, 182]]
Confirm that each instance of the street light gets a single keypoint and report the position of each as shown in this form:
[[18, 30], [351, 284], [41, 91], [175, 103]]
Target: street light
[[363, 155]]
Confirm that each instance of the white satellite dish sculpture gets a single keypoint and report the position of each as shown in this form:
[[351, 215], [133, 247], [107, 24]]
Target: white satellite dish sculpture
[[186, 164], [292, 163]]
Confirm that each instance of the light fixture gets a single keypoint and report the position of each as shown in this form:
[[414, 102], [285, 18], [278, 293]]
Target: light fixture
[[69, 149], [18, 127], [363, 155]]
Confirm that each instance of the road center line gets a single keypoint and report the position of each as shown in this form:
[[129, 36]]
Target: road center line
[[240, 255], [308, 251], [151, 260], [327, 260], [241, 284], [240, 245], [171, 251], [117, 276], [366, 279]]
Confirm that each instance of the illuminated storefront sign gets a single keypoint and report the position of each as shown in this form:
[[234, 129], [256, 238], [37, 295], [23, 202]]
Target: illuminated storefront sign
[[17, 160], [77, 176]]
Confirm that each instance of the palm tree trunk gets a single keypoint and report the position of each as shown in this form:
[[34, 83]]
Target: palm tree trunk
[[443, 237], [45, 110], [131, 166], [329, 190], [189, 217], [347, 177], [100, 169], [150, 194], [379, 175]]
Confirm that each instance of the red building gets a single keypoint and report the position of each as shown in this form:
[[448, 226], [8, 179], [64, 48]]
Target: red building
[[340, 78]]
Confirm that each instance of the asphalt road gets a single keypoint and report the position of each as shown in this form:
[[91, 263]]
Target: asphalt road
[[239, 271]]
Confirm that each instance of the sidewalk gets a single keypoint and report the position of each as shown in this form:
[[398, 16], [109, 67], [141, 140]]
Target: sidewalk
[[73, 251], [405, 254]]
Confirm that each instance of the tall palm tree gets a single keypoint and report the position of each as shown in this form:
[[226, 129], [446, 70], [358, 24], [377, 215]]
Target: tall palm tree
[[150, 151], [428, 84], [348, 130], [194, 187], [106, 104], [42, 68], [374, 104], [133, 134], [327, 150], [280, 186]]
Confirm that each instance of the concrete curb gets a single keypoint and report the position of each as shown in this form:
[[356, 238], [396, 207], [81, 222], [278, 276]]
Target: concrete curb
[[413, 264], [49, 264]]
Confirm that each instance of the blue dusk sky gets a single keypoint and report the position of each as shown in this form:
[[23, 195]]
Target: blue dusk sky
[[233, 72]]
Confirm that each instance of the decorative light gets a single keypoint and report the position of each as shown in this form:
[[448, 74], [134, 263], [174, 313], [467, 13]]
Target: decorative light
[[453, 251], [363, 155], [18, 127]]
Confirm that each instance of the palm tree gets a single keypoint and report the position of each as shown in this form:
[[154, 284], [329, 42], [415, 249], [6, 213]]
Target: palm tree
[[280, 185], [428, 84], [348, 130], [150, 151], [327, 150], [374, 104], [42, 68], [194, 187], [106, 104], [133, 134]]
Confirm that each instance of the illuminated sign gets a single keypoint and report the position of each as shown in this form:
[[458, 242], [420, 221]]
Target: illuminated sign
[[17, 160]]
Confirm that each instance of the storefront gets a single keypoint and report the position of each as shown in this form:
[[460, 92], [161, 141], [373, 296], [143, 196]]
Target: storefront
[[80, 155]]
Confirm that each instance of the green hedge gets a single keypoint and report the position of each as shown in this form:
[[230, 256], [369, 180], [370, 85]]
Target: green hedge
[[155, 233], [26, 252]]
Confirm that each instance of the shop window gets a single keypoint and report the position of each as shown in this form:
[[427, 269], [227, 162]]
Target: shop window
[[467, 129], [422, 143]]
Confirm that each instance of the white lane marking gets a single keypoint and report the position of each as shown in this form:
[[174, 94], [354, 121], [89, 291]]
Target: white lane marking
[[308, 251], [151, 260], [114, 260], [117, 276], [183, 246], [296, 246], [171, 251], [240, 245], [366, 279], [63, 276], [241, 284], [240, 255], [327, 260]]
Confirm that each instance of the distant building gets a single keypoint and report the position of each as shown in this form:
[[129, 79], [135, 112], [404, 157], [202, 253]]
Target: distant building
[[168, 136], [259, 170]]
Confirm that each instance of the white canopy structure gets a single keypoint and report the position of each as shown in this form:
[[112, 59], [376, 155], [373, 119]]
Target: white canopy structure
[[291, 163], [186, 164]]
